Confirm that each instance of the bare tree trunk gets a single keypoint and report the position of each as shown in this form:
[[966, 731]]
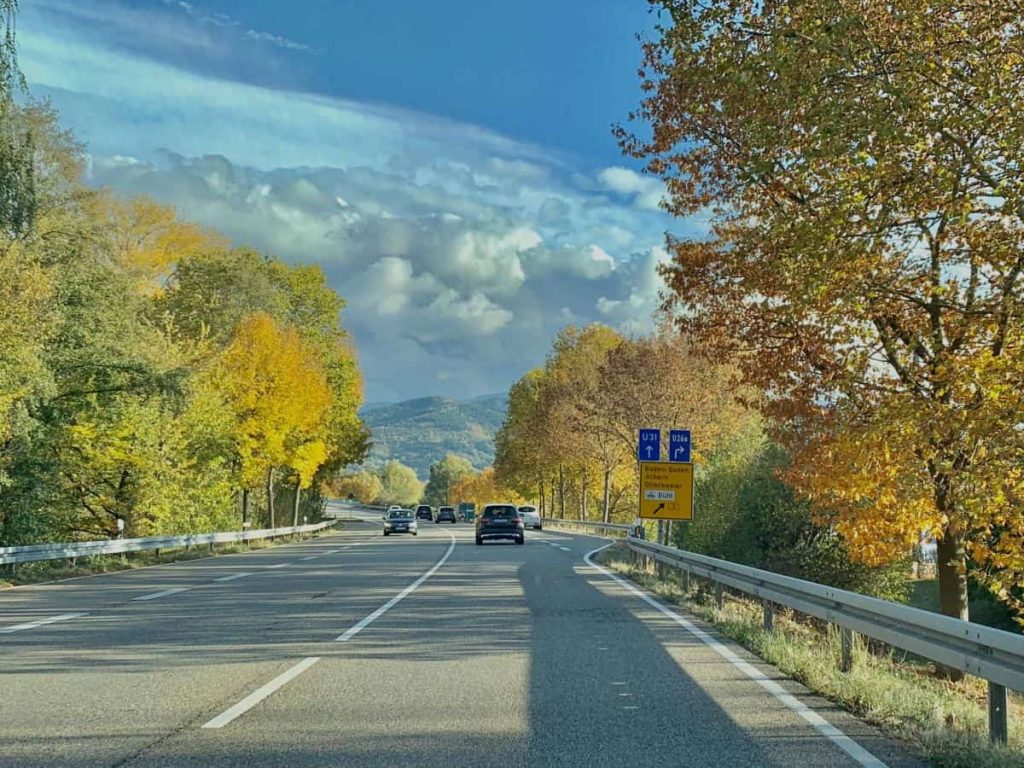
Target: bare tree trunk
[[295, 507], [245, 508], [553, 498], [583, 500], [540, 494], [607, 494], [952, 576], [270, 495], [561, 492]]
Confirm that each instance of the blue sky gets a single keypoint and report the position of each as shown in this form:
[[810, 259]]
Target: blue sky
[[449, 164]]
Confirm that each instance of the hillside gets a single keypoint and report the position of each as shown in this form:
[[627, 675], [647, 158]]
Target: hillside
[[421, 431]]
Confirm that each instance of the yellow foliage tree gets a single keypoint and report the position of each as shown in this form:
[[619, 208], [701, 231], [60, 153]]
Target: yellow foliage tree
[[275, 390], [481, 489]]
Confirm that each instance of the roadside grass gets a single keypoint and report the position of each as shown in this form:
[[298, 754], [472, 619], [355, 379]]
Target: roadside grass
[[945, 722], [55, 570]]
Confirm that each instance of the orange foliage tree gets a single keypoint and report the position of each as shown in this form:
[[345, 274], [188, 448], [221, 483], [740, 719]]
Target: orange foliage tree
[[860, 162]]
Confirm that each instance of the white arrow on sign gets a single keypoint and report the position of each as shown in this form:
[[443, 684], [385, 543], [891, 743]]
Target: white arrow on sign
[[680, 451], [649, 449]]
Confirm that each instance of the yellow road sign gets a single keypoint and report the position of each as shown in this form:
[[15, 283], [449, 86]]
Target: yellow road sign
[[666, 490]]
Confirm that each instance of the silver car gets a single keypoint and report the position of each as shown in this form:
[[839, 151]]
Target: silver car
[[531, 517], [400, 521]]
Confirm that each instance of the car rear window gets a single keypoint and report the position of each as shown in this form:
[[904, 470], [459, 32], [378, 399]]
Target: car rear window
[[502, 511], [527, 509], [399, 513]]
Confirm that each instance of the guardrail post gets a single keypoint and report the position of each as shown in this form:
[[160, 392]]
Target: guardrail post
[[769, 615], [846, 649], [998, 704], [686, 581], [662, 570], [719, 596]]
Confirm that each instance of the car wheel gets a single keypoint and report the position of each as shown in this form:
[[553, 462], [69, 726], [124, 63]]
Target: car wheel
[[479, 541], [414, 533], [385, 533], [521, 540]]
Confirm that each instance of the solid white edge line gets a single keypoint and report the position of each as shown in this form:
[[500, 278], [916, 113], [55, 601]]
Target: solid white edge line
[[565, 549], [164, 593], [260, 694], [279, 565], [367, 621], [40, 623], [788, 700]]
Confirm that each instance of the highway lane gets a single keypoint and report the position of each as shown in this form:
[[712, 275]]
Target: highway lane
[[96, 689], [506, 656]]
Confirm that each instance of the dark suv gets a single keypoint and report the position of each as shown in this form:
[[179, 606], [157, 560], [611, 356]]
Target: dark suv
[[445, 515], [500, 521], [424, 512]]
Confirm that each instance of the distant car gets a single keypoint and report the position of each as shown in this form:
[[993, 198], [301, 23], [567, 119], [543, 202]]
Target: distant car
[[531, 517], [394, 507], [445, 515], [500, 521], [425, 512], [400, 521]]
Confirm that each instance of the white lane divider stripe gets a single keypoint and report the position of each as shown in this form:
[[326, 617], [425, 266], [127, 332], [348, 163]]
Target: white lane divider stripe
[[40, 622], [364, 623], [565, 549], [285, 677], [233, 576], [260, 694], [820, 724], [311, 557], [165, 593]]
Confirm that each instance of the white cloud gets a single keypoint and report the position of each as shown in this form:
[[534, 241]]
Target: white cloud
[[455, 247], [646, 192]]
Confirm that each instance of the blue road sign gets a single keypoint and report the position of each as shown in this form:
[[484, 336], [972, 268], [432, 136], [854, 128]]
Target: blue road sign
[[679, 445], [649, 445]]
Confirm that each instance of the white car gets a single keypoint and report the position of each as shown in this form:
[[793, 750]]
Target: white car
[[531, 518]]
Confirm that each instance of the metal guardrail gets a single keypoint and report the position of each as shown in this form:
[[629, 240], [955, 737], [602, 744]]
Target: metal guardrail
[[601, 529], [992, 654], [71, 550]]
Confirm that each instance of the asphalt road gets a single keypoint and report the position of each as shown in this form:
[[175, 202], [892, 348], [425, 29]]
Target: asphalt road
[[359, 650]]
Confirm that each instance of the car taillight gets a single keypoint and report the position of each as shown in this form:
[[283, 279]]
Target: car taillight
[[516, 521]]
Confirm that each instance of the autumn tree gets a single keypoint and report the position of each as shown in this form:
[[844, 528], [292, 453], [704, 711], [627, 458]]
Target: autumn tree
[[399, 484], [362, 486], [574, 378], [443, 475], [520, 460], [483, 488], [861, 164], [275, 391]]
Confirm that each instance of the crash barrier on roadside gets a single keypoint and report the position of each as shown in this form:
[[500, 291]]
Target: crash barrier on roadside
[[991, 654], [73, 550]]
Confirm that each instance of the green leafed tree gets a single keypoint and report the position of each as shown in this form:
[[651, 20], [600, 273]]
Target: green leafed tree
[[444, 474], [399, 484]]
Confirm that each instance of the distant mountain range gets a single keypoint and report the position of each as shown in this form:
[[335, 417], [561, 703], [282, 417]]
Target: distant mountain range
[[421, 431]]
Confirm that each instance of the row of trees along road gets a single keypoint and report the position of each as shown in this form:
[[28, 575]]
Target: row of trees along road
[[569, 444], [570, 435], [149, 372], [861, 164]]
